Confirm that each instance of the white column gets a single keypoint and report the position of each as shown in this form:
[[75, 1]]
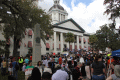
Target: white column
[[78, 42], [68, 45], [73, 45], [55, 42], [82, 42], [61, 39]]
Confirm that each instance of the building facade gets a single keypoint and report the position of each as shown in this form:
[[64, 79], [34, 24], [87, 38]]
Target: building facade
[[56, 44]]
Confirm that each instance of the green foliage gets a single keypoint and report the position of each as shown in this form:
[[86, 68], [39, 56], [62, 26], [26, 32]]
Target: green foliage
[[113, 8], [107, 38], [93, 39], [22, 15], [70, 37]]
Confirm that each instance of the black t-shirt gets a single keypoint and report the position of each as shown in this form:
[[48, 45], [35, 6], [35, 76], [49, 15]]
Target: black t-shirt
[[98, 68]]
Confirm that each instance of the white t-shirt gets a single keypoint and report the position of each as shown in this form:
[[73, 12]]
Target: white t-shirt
[[46, 62], [48, 70], [82, 60], [60, 75]]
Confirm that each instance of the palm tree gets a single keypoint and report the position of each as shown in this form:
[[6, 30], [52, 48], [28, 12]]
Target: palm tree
[[69, 38]]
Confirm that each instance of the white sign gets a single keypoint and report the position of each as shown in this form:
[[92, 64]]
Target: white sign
[[28, 71]]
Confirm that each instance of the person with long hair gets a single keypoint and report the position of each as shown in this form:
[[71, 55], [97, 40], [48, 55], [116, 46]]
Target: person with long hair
[[116, 75], [36, 75], [40, 67], [98, 69]]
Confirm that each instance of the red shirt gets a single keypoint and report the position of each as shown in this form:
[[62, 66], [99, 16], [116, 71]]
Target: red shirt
[[112, 60], [31, 58], [60, 60]]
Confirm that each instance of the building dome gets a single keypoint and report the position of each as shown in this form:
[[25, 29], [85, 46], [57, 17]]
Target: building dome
[[57, 7]]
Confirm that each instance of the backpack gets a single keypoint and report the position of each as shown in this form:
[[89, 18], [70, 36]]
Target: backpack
[[16, 66]]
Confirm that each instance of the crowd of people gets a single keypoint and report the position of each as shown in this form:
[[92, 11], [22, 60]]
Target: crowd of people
[[80, 66]]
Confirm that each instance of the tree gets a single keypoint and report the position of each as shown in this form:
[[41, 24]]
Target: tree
[[113, 8], [69, 38], [92, 40], [107, 38], [18, 15]]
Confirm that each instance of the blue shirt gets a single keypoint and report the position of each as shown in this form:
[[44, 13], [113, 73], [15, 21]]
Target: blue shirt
[[13, 64], [26, 60]]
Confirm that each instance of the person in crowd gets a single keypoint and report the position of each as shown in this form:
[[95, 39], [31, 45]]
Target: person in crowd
[[31, 58], [30, 65], [77, 75], [28, 70], [59, 74], [46, 76], [60, 60], [87, 69], [98, 69], [52, 65], [23, 67], [48, 69], [4, 67], [116, 75], [81, 59], [83, 71], [36, 75], [112, 67], [15, 72], [10, 67], [74, 63], [21, 63], [40, 67], [26, 61], [47, 61], [56, 59]]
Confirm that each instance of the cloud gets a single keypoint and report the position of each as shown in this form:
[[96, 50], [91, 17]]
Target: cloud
[[89, 17]]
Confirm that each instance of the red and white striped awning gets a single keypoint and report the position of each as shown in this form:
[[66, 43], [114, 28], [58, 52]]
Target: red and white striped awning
[[29, 44], [88, 47], [53, 45], [71, 47], [79, 39], [75, 46], [80, 46], [30, 32], [47, 45], [84, 40], [59, 46]]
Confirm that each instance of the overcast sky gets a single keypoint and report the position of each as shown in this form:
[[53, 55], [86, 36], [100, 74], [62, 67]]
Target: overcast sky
[[87, 13]]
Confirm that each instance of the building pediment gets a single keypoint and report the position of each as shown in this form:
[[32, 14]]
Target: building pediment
[[69, 24]]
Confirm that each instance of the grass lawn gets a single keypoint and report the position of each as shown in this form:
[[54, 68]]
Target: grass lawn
[[21, 76]]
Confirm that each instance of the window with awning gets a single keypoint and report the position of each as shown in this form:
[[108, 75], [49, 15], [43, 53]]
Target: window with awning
[[47, 45], [53, 45], [75, 46], [25, 44], [30, 32], [79, 39], [84, 39], [29, 44], [71, 47], [88, 47], [80, 46]]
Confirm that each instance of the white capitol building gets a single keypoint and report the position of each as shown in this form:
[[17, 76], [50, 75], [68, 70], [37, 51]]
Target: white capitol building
[[57, 43]]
